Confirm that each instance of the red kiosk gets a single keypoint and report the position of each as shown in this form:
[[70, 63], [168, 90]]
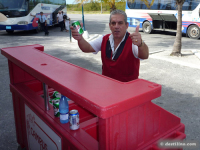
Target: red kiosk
[[113, 115]]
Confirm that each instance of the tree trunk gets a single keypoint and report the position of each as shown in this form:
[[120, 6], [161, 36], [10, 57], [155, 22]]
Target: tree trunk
[[177, 44], [112, 7]]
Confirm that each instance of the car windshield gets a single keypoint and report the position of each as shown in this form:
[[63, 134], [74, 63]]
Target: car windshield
[[14, 8]]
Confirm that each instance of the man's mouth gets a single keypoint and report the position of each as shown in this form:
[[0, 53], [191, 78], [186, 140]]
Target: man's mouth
[[116, 31]]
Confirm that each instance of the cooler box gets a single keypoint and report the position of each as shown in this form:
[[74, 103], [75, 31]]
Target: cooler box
[[113, 115]]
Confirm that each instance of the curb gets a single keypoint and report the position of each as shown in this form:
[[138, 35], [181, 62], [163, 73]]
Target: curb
[[195, 52], [156, 52]]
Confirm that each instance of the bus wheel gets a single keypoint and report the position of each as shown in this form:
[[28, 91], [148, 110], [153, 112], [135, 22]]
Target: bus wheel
[[10, 31], [146, 27], [193, 32]]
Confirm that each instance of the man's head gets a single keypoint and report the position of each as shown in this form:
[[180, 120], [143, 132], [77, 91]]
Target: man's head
[[41, 13], [59, 12], [118, 23]]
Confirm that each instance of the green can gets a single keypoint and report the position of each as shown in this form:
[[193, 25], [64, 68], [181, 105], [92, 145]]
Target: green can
[[77, 25], [56, 94], [54, 99], [56, 108]]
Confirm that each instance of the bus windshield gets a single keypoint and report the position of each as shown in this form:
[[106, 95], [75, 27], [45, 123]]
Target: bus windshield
[[14, 8]]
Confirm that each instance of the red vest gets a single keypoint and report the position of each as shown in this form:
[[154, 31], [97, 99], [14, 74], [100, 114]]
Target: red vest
[[125, 68]]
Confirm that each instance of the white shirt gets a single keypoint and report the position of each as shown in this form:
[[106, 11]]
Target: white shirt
[[96, 45], [67, 19], [60, 17], [42, 18]]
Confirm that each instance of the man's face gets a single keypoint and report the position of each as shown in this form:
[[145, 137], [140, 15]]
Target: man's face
[[41, 14], [118, 26], [59, 12]]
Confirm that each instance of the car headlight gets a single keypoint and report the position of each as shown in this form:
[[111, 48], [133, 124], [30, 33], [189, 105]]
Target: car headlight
[[22, 23]]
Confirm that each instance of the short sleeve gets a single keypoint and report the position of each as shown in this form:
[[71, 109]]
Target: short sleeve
[[96, 44], [135, 50]]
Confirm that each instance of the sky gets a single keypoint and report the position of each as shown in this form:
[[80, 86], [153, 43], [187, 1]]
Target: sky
[[70, 1]]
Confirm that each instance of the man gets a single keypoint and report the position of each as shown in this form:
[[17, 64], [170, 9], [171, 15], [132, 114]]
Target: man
[[120, 51], [60, 20], [66, 21], [43, 22]]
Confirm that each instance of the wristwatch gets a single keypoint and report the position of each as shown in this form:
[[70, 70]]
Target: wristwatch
[[142, 43]]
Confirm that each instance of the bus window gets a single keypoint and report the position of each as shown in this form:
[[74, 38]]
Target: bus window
[[190, 4], [173, 5], [1, 6], [156, 5], [185, 5], [138, 5], [163, 15]]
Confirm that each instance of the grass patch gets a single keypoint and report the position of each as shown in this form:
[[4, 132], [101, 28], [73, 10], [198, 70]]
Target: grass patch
[[88, 12]]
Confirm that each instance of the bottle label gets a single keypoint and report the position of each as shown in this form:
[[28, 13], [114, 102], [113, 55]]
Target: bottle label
[[64, 116]]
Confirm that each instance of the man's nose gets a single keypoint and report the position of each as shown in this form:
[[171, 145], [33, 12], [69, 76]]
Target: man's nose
[[117, 25]]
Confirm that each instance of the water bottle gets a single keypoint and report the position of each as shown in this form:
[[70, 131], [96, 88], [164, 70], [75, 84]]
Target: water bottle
[[68, 99], [64, 110]]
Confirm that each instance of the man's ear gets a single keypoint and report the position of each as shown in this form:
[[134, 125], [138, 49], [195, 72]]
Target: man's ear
[[109, 25], [127, 24]]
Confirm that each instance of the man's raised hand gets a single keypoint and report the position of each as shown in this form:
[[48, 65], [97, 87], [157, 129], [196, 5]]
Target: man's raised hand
[[75, 33], [136, 37]]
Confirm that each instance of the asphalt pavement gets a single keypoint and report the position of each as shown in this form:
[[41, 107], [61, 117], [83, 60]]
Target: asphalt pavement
[[179, 76]]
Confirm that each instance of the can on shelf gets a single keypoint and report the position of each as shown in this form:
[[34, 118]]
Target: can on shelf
[[74, 119], [56, 94], [77, 25], [53, 99], [56, 108]]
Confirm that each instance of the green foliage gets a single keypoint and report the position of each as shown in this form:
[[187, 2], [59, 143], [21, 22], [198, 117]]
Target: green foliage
[[94, 6], [113, 4], [121, 5]]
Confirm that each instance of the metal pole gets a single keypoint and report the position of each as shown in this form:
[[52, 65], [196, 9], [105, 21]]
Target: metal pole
[[70, 35], [83, 19], [101, 6], [46, 96]]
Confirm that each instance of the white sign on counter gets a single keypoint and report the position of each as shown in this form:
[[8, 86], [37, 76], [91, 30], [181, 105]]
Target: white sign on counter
[[39, 135]]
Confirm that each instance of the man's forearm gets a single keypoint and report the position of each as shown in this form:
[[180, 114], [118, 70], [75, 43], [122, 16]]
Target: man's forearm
[[85, 46], [33, 15], [143, 51]]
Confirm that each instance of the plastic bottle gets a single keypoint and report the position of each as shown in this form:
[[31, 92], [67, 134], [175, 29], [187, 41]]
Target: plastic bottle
[[68, 99], [64, 110]]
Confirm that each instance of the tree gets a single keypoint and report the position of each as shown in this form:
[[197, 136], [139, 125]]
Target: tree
[[177, 44], [111, 3], [83, 1]]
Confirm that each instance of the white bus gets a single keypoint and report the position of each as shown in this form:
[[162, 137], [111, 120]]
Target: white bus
[[162, 15], [18, 13]]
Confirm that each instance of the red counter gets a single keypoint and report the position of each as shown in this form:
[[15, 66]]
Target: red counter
[[113, 114]]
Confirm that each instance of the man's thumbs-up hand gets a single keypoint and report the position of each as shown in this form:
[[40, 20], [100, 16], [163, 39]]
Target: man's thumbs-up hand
[[136, 37]]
